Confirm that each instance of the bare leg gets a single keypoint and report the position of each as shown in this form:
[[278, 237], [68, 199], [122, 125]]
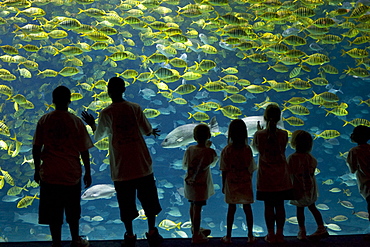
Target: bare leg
[[316, 214], [56, 233], [197, 209], [128, 226], [280, 217], [270, 217], [151, 224], [230, 219], [249, 215], [191, 215], [300, 217], [74, 229]]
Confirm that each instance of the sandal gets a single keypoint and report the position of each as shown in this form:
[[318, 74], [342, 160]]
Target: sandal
[[251, 240], [271, 239], [226, 240]]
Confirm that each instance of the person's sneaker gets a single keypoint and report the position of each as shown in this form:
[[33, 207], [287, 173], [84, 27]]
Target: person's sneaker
[[154, 239], [199, 238], [319, 234], [80, 242], [302, 235], [129, 241]]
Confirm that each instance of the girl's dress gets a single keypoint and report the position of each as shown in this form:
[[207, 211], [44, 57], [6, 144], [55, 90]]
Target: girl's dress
[[302, 169], [273, 181], [197, 162], [238, 163], [358, 160]]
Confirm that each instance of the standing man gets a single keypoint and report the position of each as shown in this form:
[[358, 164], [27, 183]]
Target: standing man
[[59, 141], [124, 123]]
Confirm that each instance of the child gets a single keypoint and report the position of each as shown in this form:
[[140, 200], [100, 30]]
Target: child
[[273, 181], [237, 166], [302, 167], [359, 162], [60, 140], [130, 163], [198, 180]]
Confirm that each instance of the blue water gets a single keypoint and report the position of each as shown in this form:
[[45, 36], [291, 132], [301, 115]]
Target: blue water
[[167, 162]]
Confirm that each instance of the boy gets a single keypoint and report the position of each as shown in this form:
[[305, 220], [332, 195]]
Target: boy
[[59, 141], [359, 162], [198, 186], [131, 165]]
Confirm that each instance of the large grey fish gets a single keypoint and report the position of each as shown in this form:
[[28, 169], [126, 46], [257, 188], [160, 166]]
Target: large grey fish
[[183, 135], [99, 191], [31, 218], [252, 122]]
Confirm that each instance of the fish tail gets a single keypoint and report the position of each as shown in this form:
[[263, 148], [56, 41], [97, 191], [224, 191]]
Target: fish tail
[[345, 122], [16, 28], [18, 12]]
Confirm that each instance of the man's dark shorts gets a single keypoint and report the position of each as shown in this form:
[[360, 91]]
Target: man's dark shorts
[[146, 193], [55, 199]]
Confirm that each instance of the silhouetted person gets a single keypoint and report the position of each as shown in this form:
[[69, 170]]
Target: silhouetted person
[[302, 166], [273, 181], [124, 123], [60, 140], [359, 162], [198, 184], [237, 166]]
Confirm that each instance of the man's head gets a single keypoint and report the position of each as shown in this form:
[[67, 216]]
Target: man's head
[[61, 96], [116, 87]]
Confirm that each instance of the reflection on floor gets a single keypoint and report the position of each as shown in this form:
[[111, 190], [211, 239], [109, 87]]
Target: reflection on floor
[[332, 241]]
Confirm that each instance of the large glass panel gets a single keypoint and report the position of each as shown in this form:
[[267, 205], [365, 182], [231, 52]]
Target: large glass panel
[[177, 57]]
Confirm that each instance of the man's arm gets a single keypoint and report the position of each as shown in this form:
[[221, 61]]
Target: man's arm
[[86, 161], [36, 153]]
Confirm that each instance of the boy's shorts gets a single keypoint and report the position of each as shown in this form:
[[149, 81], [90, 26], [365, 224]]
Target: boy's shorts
[[146, 193], [55, 199]]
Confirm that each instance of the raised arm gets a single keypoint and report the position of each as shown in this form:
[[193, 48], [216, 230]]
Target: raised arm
[[89, 120]]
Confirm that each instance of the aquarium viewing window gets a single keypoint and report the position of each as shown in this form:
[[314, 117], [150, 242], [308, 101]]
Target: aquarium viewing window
[[184, 62]]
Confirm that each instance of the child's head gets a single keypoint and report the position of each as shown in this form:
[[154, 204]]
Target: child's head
[[116, 87], [272, 113], [361, 134], [201, 133], [237, 134], [61, 96], [301, 141]]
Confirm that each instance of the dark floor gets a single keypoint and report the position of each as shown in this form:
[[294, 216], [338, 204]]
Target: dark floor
[[345, 241]]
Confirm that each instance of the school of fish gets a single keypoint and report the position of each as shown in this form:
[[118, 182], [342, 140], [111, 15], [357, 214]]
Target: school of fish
[[184, 62]]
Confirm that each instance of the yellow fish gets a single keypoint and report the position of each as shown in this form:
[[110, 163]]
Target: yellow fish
[[7, 177], [328, 181], [26, 201], [169, 224]]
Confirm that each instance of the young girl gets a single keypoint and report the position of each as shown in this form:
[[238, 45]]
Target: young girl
[[237, 166], [359, 162], [198, 180], [302, 167], [273, 181]]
